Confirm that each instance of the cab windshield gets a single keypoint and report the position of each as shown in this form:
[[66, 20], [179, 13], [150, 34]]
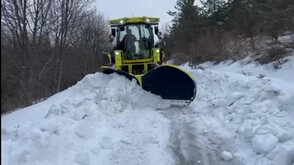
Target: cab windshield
[[136, 41]]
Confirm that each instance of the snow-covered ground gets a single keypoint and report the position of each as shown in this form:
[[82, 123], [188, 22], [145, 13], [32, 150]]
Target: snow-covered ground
[[238, 117], [248, 68], [251, 118]]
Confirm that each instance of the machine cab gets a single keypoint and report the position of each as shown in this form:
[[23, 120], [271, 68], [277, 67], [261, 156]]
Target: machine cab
[[135, 40], [134, 37], [135, 50]]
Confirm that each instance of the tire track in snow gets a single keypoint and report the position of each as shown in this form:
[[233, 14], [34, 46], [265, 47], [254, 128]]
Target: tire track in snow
[[185, 147], [183, 141]]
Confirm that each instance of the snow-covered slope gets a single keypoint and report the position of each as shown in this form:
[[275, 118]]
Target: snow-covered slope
[[236, 118], [248, 68], [101, 120]]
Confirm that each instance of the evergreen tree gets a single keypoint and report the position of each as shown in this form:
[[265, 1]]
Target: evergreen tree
[[217, 14], [185, 28]]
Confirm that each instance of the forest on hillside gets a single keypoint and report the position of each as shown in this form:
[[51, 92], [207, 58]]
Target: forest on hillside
[[225, 29], [49, 45]]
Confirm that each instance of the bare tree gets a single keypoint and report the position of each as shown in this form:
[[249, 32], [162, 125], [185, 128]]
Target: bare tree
[[68, 15], [15, 23], [86, 45], [39, 38]]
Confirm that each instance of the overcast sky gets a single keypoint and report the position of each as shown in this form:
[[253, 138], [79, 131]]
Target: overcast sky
[[127, 8]]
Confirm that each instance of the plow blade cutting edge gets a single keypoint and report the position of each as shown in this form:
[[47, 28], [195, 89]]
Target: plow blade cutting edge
[[120, 72]]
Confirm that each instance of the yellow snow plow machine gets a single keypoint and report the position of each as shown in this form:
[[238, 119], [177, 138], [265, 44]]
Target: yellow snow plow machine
[[137, 56]]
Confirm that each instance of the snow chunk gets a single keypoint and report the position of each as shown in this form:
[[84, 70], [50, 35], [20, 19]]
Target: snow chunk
[[106, 143], [54, 110], [226, 156], [275, 152], [78, 114], [284, 136], [50, 126], [85, 130], [285, 158], [82, 158], [266, 129], [270, 93], [96, 150], [249, 127], [264, 143]]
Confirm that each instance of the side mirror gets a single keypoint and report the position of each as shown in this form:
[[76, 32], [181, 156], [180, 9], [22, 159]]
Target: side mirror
[[156, 30], [113, 32], [159, 34], [112, 35], [111, 38]]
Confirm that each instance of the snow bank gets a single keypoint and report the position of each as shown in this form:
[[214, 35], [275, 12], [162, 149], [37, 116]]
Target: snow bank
[[286, 38], [101, 120], [248, 116], [254, 69]]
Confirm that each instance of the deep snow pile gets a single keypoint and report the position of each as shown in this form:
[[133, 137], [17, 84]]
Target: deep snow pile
[[101, 120], [236, 119], [252, 118]]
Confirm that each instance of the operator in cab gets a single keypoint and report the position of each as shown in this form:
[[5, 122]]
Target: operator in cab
[[129, 40]]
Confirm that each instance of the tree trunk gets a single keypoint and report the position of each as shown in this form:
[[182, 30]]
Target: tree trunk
[[59, 75]]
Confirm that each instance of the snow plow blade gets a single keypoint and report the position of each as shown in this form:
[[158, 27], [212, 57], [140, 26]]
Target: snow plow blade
[[172, 83]]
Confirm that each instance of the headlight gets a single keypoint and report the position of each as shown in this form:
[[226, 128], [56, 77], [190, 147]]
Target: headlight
[[116, 53], [121, 21]]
